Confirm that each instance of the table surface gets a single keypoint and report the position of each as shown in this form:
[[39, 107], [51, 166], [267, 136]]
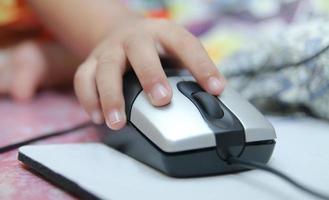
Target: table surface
[[50, 111], [301, 151]]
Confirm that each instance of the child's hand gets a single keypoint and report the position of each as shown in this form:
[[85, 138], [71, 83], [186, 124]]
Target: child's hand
[[27, 66], [22, 68], [139, 42]]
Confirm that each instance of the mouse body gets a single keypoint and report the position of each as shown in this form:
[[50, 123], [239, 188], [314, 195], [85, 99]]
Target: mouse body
[[193, 135]]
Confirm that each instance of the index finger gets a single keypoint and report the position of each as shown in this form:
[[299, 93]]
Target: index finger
[[189, 50]]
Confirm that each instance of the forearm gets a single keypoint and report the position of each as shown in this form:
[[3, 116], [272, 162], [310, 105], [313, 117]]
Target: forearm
[[80, 24]]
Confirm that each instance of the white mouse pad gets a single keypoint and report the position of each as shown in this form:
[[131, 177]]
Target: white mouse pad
[[95, 171]]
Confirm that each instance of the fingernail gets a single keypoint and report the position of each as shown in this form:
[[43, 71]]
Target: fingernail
[[96, 117], [215, 85], [115, 118], [158, 92]]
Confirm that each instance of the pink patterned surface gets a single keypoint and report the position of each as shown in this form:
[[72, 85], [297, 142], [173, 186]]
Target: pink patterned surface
[[48, 112]]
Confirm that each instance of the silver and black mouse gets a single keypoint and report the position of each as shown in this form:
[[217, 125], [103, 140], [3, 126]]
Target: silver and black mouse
[[194, 134]]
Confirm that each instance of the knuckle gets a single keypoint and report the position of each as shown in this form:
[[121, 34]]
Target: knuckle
[[148, 74], [205, 65], [206, 68], [107, 57], [130, 42], [90, 103]]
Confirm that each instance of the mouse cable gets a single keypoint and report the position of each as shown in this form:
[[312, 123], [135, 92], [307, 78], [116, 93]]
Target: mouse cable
[[261, 166], [13, 146]]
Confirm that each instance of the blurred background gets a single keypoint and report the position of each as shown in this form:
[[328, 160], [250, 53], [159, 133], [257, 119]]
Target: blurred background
[[275, 52]]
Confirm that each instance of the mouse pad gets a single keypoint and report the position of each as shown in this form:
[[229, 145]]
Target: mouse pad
[[95, 171]]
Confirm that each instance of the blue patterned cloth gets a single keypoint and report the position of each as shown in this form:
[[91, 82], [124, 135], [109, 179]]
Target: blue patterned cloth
[[285, 71]]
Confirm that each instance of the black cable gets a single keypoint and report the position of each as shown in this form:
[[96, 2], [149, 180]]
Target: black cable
[[13, 146], [261, 166]]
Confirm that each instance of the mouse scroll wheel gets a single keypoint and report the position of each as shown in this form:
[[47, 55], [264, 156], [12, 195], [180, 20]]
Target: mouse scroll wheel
[[209, 104]]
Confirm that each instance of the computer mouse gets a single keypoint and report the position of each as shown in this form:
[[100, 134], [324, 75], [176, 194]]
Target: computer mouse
[[195, 133]]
